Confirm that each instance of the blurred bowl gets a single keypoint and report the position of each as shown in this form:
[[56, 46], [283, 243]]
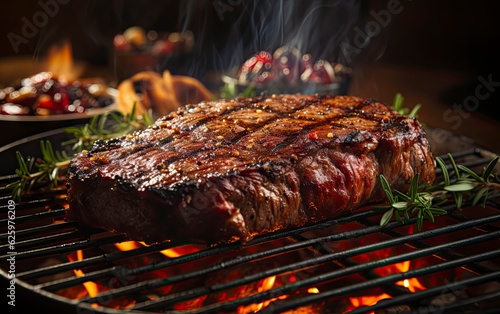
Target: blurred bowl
[[87, 114], [15, 127], [339, 87], [136, 50]]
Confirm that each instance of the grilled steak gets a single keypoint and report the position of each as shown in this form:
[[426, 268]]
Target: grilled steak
[[228, 170]]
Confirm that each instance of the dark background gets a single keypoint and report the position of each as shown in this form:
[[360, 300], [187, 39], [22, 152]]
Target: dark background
[[446, 35]]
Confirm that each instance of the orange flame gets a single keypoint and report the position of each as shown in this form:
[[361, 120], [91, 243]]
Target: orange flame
[[180, 251], [127, 245], [90, 286], [59, 61], [265, 285], [171, 253], [412, 284], [368, 300]]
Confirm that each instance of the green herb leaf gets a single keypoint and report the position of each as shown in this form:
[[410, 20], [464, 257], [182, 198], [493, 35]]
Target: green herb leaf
[[386, 217], [479, 195], [460, 187], [444, 170], [53, 164], [470, 173], [400, 205], [387, 189], [489, 169]]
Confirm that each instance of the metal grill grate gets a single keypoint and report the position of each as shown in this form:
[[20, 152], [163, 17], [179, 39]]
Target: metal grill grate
[[455, 259]]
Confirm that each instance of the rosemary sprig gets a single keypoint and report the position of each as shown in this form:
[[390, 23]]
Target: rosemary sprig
[[230, 90], [423, 201], [49, 169], [398, 105], [106, 126]]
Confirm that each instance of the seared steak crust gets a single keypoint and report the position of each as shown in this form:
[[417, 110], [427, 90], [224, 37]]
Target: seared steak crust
[[227, 170]]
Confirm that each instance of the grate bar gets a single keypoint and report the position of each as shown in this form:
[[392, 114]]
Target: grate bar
[[46, 240], [257, 240], [460, 304], [451, 212], [431, 292], [236, 261], [67, 247], [477, 269], [29, 204], [173, 298], [460, 217], [324, 259], [89, 261], [40, 230], [310, 299], [69, 282], [283, 249], [9, 177], [237, 245], [314, 280], [37, 216]]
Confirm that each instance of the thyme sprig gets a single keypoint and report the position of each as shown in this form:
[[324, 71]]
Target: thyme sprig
[[423, 201], [49, 169]]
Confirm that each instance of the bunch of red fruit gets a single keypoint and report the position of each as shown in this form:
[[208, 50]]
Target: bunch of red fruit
[[135, 39], [46, 94], [287, 66]]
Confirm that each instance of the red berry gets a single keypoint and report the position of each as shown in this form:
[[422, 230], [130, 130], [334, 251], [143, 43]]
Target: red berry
[[323, 72], [254, 67], [120, 43], [265, 78], [306, 68], [287, 64], [45, 102]]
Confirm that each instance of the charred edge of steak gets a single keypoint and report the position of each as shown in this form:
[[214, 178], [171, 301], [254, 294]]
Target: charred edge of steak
[[228, 170]]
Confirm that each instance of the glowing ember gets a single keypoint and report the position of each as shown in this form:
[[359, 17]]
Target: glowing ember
[[90, 286], [128, 245], [92, 289], [368, 300], [411, 284], [265, 285], [180, 251], [171, 253]]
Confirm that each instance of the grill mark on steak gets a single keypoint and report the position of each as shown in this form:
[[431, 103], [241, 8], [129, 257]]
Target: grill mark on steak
[[258, 126], [201, 123], [304, 130], [227, 170]]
